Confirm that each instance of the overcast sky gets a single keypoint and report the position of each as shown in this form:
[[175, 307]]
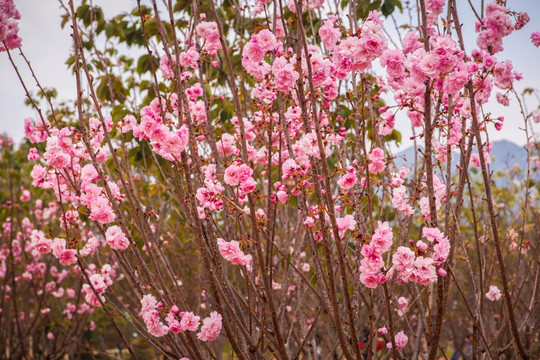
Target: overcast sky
[[47, 46]]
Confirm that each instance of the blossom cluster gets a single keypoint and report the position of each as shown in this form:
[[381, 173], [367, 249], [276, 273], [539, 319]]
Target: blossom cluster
[[419, 267], [56, 290], [494, 26], [151, 311], [154, 128], [9, 29], [372, 261]]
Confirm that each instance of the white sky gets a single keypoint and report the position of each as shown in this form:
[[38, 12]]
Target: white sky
[[47, 46]]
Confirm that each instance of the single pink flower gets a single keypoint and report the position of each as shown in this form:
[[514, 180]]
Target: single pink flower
[[400, 339], [347, 181], [42, 244], [189, 322], [494, 294], [116, 238], [535, 38], [211, 327]]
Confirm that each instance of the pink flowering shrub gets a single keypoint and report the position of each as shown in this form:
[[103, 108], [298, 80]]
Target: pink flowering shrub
[[42, 297], [238, 196]]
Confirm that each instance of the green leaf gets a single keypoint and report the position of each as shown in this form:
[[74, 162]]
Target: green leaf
[[118, 112], [65, 19], [109, 29], [143, 64], [83, 11], [119, 30], [388, 7]]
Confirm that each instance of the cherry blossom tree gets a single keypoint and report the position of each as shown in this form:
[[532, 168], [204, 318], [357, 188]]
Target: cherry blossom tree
[[224, 185]]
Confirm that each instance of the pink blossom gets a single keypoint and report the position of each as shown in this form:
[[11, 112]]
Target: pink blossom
[[190, 58], [232, 175], [209, 32], [8, 27], [424, 207], [456, 80], [70, 293], [399, 200], [165, 67], [33, 154], [309, 221], [42, 244], [65, 256], [372, 264], [344, 224], [189, 322], [253, 52], [400, 340], [244, 173], [403, 302], [329, 34], [194, 92], [388, 123], [227, 145], [494, 294], [128, 123], [36, 133], [369, 280], [240, 175], [441, 272], [410, 42], [289, 169], [504, 75], [55, 154], [347, 181], [435, 6], [403, 259], [432, 234], [495, 25], [393, 60], [282, 196], [536, 116], [116, 238], [441, 250], [89, 173], [211, 327], [173, 323], [284, 74], [424, 271], [475, 159], [98, 282], [376, 158], [422, 246], [248, 186], [150, 315], [535, 38], [382, 237], [266, 40], [101, 211], [231, 252]]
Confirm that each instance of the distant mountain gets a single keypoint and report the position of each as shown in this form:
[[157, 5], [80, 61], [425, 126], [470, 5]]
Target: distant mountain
[[504, 155]]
